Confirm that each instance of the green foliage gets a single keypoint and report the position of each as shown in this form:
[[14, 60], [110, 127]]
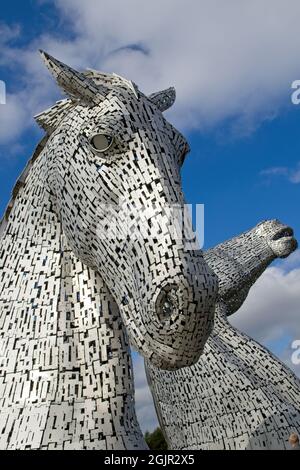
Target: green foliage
[[156, 440]]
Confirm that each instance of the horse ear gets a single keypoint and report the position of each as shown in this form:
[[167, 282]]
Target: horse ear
[[163, 99], [76, 85]]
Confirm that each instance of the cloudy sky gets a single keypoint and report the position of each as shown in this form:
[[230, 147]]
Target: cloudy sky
[[232, 64]]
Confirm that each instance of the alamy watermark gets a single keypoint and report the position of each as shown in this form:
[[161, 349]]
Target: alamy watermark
[[2, 92], [295, 358], [295, 97], [155, 222]]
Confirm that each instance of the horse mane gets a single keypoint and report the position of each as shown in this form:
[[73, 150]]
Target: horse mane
[[50, 119], [21, 182]]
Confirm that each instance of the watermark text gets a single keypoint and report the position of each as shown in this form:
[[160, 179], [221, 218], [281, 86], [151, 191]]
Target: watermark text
[[2, 92]]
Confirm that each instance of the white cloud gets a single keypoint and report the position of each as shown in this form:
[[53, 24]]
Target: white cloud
[[291, 174], [226, 59], [8, 33], [271, 313], [12, 119], [295, 175], [229, 60], [29, 91], [275, 171], [144, 404], [292, 262]]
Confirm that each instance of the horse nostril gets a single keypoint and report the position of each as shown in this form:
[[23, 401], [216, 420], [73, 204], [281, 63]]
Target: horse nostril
[[167, 307], [167, 303]]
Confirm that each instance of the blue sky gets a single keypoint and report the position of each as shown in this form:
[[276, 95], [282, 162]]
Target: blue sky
[[234, 106], [224, 168]]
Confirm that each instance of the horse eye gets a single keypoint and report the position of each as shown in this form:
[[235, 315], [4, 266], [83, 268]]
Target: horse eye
[[101, 142]]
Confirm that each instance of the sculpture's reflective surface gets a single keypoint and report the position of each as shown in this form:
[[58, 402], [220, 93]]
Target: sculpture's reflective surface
[[70, 292], [238, 395]]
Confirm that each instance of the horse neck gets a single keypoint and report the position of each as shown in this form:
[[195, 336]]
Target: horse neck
[[31, 245], [63, 343]]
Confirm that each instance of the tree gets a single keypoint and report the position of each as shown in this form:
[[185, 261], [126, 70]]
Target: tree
[[156, 440]]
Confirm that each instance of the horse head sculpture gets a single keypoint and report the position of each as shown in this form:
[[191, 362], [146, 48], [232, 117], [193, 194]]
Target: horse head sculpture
[[239, 262], [235, 376], [110, 149]]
